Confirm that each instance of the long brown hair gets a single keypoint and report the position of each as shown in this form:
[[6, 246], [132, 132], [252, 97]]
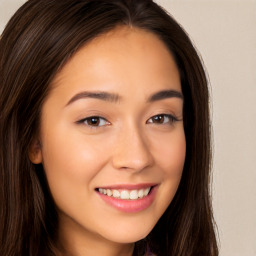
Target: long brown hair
[[36, 43]]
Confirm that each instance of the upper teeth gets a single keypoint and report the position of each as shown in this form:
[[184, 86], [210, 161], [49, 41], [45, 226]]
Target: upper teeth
[[125, 194]]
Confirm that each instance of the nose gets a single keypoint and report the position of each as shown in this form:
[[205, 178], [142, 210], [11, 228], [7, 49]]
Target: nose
[[132, 151]]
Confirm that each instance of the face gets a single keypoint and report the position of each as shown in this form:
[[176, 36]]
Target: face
[[112, 137]]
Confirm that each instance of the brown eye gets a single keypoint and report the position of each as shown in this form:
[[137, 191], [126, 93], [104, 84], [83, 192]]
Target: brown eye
[[94, 121], [162, 119], [158, 119]]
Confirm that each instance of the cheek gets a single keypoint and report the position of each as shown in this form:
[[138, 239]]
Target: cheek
[[171, 154], [70, 163], [169, 157]]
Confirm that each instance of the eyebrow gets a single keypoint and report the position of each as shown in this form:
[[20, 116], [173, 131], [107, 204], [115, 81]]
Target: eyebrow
[[165, 95], [105, 96], [112, 97]]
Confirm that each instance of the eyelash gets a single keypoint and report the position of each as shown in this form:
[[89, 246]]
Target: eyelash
[[172, 119], [98, 120]]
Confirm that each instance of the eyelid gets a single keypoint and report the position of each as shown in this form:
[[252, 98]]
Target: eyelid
[[86, 119], [172, 118]]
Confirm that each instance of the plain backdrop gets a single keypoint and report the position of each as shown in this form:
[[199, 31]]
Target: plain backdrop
[[224, 32]]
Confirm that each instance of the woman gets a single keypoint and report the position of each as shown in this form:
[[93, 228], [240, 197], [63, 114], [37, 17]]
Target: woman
[[105, 144]]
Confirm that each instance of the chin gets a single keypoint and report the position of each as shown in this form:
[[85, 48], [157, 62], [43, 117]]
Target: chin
[[128, 235]]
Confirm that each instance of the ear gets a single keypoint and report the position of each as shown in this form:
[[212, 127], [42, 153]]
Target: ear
[[35, 152]]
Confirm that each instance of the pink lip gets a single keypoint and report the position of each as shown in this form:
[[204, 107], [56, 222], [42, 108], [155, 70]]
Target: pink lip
[[130, 206]]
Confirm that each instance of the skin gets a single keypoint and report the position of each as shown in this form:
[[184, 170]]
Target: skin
[[127, 146]]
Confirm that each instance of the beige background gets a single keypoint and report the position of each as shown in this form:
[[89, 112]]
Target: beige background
[[225, 33]]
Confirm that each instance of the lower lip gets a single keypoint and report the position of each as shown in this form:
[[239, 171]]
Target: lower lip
[[130, 206]]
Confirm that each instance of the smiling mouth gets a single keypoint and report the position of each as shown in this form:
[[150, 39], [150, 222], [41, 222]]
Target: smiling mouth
[[125, 194]]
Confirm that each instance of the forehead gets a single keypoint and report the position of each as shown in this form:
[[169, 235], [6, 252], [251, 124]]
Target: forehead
[[124, 56]]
